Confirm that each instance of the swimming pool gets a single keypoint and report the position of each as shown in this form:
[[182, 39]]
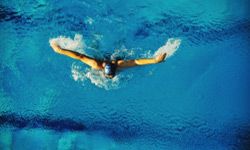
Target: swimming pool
[[196, 99]]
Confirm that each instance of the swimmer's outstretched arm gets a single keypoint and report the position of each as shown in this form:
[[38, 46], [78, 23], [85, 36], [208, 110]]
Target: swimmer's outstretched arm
[[95, 64], [139, 62]]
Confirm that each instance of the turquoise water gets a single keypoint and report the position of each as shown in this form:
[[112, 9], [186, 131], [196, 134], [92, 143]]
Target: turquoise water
[[197, 99]]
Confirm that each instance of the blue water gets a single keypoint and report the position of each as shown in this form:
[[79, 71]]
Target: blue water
[[197, 99]]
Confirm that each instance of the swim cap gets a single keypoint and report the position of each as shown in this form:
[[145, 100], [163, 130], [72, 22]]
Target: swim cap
[[110, 69], [107, 69]]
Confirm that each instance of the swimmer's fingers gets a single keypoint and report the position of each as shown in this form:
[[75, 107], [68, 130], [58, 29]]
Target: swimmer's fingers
[[55, 46], [160, 58], [52, 43]]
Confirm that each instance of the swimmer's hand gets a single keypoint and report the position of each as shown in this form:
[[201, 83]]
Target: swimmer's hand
[[160, 58], [55, 46]]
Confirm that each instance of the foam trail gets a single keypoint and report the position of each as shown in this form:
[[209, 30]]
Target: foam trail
[[169, 48]]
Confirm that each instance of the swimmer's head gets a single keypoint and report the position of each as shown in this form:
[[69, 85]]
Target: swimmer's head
[[109, 70]]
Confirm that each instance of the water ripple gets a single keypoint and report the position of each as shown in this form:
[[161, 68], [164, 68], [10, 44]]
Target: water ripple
[[121, 127], [196, 33], [168, 24]]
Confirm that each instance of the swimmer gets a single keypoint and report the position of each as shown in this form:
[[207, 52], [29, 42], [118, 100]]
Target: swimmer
[[108, 67]]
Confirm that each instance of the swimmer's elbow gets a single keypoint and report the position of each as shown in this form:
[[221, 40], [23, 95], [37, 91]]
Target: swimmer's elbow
[[126, 63]]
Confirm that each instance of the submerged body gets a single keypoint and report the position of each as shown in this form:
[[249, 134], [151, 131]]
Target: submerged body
[[108, 67]]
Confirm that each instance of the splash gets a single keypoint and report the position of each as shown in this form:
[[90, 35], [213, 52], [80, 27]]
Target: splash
[[96, 77], [77, 44], [169, 48], [122, 54]]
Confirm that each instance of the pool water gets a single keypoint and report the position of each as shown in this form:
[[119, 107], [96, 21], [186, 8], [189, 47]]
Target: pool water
[[197, 99]]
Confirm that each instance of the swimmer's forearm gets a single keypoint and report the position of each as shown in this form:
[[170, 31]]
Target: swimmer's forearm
[[96, 64], [143, 61], [66, 52], [137, 62], [71, 54], [83, 58]]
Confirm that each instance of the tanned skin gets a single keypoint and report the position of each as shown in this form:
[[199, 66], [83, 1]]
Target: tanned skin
[[99, 64]]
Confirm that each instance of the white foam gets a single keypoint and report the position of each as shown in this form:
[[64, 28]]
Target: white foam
[[169, 48], [123, 53], [76, 44], [97, 77]]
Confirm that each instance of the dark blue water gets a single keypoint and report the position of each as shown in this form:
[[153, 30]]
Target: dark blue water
[[197, 99]]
